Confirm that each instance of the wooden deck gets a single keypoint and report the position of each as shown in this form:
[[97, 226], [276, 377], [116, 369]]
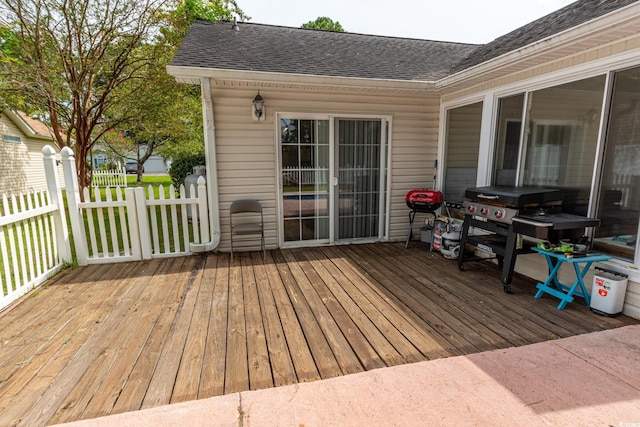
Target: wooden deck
[[107, 339]]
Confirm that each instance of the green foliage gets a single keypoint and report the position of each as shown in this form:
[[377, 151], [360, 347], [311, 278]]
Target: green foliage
[[183, 166], [89, 67], [324, 23], [209, 10]]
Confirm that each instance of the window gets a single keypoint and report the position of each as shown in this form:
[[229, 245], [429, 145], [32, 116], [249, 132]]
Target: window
[[619, 201], [558, 146], [508, 139], [11, 138], [463, 141]]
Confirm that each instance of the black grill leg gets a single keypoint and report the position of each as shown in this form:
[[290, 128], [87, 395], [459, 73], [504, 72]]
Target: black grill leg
[[463, 241], [412, 216], [509, 262]]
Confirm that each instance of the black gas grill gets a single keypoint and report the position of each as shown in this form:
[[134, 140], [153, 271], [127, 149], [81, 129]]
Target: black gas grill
[[504, 213]]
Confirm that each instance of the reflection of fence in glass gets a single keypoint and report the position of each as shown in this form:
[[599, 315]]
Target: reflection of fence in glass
[[626, 160], [310, 175], [623, 184]]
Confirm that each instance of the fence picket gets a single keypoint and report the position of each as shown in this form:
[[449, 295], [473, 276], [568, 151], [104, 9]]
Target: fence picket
[[42, 259], [123, 223], [164, 225], [90, 224], [175, 225], [3, 249], [22, 206], [19, 234], [104, 244], [113, 229], [185, 220], [32, 247], [154, 220]]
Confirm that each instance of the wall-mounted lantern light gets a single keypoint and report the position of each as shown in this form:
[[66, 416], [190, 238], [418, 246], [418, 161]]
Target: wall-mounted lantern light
[[257, 110]]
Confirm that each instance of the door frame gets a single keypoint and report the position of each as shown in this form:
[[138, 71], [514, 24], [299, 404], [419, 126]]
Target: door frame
[[385, 199]]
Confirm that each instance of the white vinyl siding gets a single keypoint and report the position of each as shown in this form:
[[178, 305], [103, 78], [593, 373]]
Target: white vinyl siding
[[247, 150], [22, 167]]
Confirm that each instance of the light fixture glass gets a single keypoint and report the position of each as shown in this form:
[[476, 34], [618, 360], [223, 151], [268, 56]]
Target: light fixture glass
[[258, 107]]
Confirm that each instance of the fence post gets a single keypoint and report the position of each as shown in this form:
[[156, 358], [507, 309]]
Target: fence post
[[73, 202], [203, 210], [143, 222], [55, 194]]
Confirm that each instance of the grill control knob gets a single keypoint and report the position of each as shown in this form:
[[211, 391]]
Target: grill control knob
[[499, 213], [471, 208], [484, 211]]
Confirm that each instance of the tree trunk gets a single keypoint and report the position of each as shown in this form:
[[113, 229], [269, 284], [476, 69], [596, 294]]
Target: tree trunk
[[81, 151]]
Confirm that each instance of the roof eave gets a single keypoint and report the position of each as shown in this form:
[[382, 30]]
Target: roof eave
[[579, 32], [194, 74], [24, 126]]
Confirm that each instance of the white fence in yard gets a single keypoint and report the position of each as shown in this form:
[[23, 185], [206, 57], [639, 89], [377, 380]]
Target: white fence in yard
[[131, 224], [127, 224], [109, 178], [34, 241]]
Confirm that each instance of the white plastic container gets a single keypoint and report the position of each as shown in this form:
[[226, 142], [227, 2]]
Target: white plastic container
[[607, 292]]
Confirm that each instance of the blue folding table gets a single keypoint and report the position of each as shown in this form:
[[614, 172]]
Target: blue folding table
[[560, 290]]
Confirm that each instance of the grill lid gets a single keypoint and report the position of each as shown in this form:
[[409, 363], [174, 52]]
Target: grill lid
[[517, 197], [425, 200]]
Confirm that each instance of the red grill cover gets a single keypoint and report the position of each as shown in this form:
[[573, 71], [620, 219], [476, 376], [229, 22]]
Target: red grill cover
[[429, 200]]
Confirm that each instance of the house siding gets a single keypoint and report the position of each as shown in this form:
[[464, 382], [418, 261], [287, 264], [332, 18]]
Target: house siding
[[247, 150], [22, 167]]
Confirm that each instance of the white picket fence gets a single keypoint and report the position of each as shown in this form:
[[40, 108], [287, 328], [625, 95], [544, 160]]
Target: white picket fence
[[34, 241], [109, 178], [131, 224]]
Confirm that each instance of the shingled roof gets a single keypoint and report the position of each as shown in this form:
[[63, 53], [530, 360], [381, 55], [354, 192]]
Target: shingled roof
[[275, 49], [563, 19]]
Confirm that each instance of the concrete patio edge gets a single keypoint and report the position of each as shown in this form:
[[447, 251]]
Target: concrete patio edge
[[589, 379]]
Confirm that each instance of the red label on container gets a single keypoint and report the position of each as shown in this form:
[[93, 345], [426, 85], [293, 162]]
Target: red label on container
[[599, 281]]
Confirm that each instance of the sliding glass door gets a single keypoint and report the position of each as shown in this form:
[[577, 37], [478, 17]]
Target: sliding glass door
[[358, 161], [333, 184], [305, 179]]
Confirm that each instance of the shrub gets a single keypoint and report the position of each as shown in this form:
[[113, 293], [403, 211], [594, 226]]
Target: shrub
[[183, 166]]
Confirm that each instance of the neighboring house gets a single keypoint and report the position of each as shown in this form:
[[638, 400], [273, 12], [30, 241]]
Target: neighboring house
[[154, 164], [352, 122], [21, 146]]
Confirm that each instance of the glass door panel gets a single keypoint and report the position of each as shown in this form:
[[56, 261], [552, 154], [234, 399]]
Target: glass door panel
[[305, 179], [358, 164], [619, 202]]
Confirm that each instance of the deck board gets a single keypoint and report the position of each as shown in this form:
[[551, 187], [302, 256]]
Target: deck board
[[100, 340]]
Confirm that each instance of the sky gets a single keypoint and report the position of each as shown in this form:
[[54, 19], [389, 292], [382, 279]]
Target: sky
[[467, 21]]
